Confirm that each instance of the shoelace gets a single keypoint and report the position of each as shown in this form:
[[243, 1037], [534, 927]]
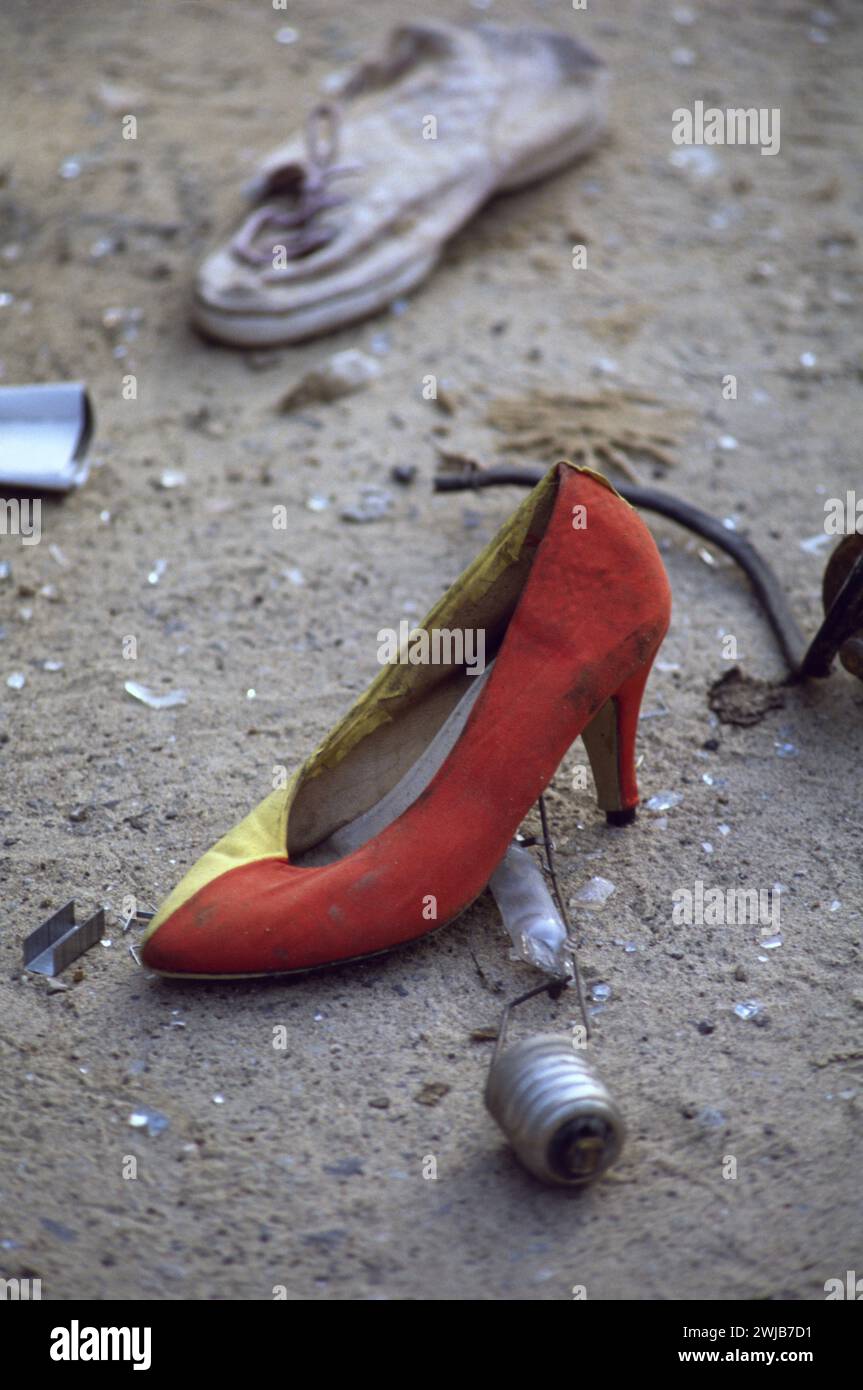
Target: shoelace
[[309, 189]]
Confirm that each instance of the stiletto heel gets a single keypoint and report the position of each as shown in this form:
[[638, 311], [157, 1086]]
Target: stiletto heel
[[610, 742]]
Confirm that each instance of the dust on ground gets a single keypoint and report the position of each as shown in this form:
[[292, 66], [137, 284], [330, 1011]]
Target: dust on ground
[[304, 1167]]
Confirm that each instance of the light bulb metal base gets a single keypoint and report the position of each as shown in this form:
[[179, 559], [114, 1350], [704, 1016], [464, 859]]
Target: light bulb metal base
[[560, 1118]]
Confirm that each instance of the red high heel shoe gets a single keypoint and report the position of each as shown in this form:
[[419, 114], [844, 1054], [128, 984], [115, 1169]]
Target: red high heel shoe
[[397, 821]]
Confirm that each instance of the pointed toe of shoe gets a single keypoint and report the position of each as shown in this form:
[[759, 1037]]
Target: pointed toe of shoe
[[239, 923], [163, 948]]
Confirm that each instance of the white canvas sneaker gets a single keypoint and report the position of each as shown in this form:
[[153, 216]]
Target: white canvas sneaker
[[355, 211]]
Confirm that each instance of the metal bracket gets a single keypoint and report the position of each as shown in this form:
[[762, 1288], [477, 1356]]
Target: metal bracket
[[59, 941]]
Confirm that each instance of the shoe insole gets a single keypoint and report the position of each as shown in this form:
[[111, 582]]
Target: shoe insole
[[405, 792]]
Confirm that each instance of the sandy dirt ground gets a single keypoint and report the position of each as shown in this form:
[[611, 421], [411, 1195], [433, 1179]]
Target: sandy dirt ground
[[304, 1167]]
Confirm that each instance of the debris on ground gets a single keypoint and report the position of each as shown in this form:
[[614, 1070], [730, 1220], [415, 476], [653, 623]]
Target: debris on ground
[[60, 940], [744, 700], [374, 503], [148, 697], [340, 375], [432, 1092], [45, 430], [611, 429]]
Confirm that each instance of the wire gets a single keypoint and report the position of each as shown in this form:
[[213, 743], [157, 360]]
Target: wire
[[570, 935]]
